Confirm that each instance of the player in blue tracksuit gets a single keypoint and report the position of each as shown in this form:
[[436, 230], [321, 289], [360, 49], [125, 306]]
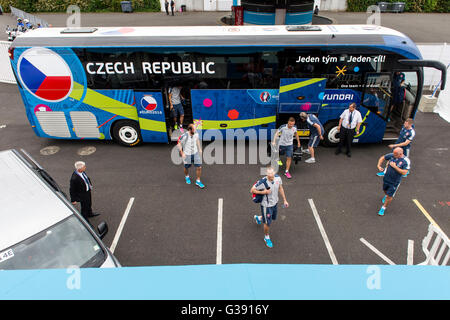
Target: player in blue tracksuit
[[405, 137], [316, 133], [397, 166]]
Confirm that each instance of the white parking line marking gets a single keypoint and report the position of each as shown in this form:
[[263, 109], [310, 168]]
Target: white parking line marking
[[219, 231], [382, 256], [121, 225], [410, 259], [322, 231]]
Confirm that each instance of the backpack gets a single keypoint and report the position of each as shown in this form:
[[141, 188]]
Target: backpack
[[258, 198]]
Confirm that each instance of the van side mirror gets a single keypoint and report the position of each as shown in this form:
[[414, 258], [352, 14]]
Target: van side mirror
[[102, 229]]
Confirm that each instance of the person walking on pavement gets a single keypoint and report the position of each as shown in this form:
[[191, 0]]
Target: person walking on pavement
[[176, 107], [80, 190], [287, 132], [316, 132], [397, 166], [166, 5], [191, 152], [172, 6], [406, 136], [269, 201], [349, 121]]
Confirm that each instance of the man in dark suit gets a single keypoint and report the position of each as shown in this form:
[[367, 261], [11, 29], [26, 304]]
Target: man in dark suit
[[80, 190]]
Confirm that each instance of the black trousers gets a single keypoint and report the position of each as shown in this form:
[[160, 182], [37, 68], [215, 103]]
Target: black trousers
[[346, 138], [167, 8], [86, 204]]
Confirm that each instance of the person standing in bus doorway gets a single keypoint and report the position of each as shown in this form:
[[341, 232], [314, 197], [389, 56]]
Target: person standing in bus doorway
[[349, 121], [397, 166], [172, 6], [287, 132], [316, 133], [191, 152], [166, 5], [176, 107], [269, 201], [80, 190]]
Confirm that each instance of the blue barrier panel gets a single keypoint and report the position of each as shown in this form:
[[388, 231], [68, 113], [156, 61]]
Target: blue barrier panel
[[296, 18], [260, 18], [237, 282]]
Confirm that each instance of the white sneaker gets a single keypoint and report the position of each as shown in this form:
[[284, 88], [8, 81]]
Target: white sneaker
[[310, 160], [306, 151]]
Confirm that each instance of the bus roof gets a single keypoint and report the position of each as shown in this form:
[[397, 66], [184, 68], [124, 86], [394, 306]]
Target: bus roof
[[29, 206], [201, 36]]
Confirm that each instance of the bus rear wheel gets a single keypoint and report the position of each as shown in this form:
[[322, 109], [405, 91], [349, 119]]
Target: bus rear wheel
[[331, 138], [127, 133]]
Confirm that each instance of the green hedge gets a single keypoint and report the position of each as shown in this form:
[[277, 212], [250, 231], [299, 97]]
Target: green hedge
[[410, 5], [85, 5]]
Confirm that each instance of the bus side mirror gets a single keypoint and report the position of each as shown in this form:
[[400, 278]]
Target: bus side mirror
[[102, 229]]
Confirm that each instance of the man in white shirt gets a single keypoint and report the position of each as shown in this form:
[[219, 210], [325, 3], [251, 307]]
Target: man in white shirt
[[269, 202], [190, 150], [287, 132], [349, 121], [176, 107]]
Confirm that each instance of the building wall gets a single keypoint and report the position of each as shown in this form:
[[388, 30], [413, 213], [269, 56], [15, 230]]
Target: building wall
[[202, 5], [332, 5]]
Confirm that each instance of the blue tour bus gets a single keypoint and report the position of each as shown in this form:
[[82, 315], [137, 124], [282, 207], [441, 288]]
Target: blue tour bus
[[112, 83]]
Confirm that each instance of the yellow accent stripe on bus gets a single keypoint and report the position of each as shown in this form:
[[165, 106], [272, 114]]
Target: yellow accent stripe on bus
[[364, 127], [298, 85], [234, 124], [102, 102]]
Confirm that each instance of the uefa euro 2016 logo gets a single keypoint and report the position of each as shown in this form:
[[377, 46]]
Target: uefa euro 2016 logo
[[264, 96]]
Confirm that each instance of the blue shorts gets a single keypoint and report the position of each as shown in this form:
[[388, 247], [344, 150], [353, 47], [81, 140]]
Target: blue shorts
[[177, 110], [194, 159], [390, 189], [269, 214], [288, 150], [314, 140]]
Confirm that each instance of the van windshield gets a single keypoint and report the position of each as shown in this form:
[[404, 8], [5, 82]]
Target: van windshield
[[66, 244]]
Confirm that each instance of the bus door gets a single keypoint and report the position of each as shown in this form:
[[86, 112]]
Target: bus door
[[151, 116], [300, 95], [376, 107]]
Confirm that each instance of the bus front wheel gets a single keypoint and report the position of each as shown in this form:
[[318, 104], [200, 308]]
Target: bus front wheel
[[127, 133], [331, 138]]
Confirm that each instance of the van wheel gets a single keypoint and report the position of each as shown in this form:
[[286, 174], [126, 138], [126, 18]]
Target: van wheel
[[127, 133], [331, 138]]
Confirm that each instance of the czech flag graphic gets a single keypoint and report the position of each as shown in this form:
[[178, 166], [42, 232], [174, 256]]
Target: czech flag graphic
[[149, 103], [45, 74]]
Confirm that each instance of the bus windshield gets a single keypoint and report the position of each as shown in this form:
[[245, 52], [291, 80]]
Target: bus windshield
[[66, 244]]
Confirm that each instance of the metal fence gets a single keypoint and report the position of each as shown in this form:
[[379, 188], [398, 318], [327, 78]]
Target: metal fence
[[436, 247], [33, 19], [6, 73]]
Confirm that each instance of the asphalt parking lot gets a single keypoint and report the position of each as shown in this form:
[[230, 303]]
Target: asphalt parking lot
[[171, 223]]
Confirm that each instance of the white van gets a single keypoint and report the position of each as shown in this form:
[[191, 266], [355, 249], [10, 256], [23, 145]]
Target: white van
[[40, 229]]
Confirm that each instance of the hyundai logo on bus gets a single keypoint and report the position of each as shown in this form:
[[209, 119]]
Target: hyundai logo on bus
[[158, 67], [339, 95]]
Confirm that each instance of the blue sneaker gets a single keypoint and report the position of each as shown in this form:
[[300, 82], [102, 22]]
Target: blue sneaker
[[199, 184], [380, 174], [381, 212], [383, 200], [268, 242], [188, 180], [257, 219]]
